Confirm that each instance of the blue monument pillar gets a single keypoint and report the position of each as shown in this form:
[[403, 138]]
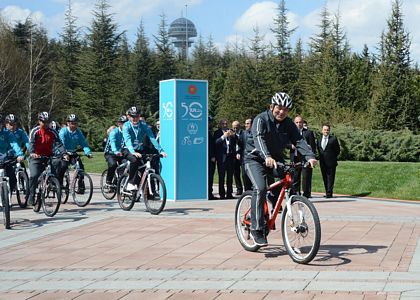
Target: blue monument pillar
[[183, 136]]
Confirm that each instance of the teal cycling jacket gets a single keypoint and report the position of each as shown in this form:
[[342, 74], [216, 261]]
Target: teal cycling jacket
[[134, 136], [7, 141], [21, 138], [115, 141], [71, 140]]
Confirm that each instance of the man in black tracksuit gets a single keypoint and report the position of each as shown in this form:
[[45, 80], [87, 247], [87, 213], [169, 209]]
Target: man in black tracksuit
[[272, 130]]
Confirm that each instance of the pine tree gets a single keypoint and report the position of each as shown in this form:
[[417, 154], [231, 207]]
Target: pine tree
[[68, 60], [142, 72], [394, 103], [164, 62]]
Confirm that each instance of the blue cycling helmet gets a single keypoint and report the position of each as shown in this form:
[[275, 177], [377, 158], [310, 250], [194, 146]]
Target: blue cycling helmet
[[133, 111], [72, 118], [43, 116], [11, 119], [122, 119]]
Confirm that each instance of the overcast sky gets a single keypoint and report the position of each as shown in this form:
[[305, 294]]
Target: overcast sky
[[228, 20]]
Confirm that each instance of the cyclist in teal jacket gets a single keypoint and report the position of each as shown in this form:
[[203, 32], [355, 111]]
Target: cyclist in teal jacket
[[133, 134], [20, 135], [72, 137], [113, 149], [7, 141]]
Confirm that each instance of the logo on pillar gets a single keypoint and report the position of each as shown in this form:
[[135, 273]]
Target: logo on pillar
[[192, 89]]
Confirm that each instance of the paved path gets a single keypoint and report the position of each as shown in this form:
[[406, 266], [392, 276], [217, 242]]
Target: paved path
[[370, 249]]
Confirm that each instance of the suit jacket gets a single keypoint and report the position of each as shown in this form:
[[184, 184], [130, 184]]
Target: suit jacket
[[309, 137], [212, 145], [221, 146], [329, 156]]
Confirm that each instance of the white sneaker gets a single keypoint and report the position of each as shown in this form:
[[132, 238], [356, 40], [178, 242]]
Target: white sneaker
[[131, 187]]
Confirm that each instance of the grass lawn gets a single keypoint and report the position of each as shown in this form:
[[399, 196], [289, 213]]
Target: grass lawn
[[375, 179], [398, 180]]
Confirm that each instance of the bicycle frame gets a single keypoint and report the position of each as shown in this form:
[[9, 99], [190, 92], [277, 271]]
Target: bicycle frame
[[18, 169], [45, 175], [148, 170], [286, 183]]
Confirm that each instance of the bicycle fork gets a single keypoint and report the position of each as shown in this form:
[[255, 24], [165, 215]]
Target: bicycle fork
[[291, 216]]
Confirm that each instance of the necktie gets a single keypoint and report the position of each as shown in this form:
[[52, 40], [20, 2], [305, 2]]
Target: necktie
[[324, 143]]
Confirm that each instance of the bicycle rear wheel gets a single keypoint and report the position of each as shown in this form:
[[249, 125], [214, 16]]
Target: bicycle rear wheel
[[301, 230], [51, 197], [6, 205], [125, 199], [82, 190], [22, 188], [155, 199], [65, 189], [108, 191], [243, 222]]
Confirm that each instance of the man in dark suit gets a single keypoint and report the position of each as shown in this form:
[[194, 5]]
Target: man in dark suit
[[247, 134], [237, 161], [304, 175], [328, 149], [225, 154], [212, 158]]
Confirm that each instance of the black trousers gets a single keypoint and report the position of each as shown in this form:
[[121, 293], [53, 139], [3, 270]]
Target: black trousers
[[61, 166], [225, 169], [36, 167], [328, 176], [10, 172], [212, 169], [237, 175], [307, 182], [134, 165], [113, 162]]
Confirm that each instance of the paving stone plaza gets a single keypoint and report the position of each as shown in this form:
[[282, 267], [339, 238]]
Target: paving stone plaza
[[370, 249]]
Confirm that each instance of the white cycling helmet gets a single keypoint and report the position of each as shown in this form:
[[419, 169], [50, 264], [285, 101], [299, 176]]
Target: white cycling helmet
[[282, 99]]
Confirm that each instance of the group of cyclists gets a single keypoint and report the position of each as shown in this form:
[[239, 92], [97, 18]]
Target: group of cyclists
[[47, 140]]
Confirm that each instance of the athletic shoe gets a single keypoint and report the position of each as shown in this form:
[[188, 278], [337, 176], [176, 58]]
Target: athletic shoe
[[259, 238]]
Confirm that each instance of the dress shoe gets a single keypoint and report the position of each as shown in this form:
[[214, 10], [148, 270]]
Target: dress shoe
[[238, 193], [229, 196], [211, 197]]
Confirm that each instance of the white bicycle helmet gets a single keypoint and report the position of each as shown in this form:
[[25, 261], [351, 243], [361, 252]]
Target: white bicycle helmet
[[282, 99]]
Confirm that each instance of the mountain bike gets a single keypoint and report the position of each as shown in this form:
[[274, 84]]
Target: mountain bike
[[79, 184], [5, 193], [22, 184], [48, 190], [110, 190], [300, 226], [152, 188]]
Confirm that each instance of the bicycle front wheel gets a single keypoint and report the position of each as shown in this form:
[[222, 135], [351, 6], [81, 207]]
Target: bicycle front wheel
[[6, 205], [22, 188], [108, 191], [243, 222], [51, 197], [82, 190], [301, 230], [155, 199], [125, 199]]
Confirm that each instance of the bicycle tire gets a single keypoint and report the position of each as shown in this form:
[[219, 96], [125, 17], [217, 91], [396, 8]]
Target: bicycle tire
[[243, 230], [82, 199], [65, 189], [22, 189], [108, 194], [51, 197], [155, 204], [126, 202], [6, 205], [294, 235]]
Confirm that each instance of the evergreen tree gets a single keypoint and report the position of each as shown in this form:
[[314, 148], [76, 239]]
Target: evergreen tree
[[283, 64], [68, 61], [164, 62], [395, 104], [142, 72]]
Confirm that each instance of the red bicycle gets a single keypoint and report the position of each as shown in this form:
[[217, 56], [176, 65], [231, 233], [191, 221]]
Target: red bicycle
[[300, 226]]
